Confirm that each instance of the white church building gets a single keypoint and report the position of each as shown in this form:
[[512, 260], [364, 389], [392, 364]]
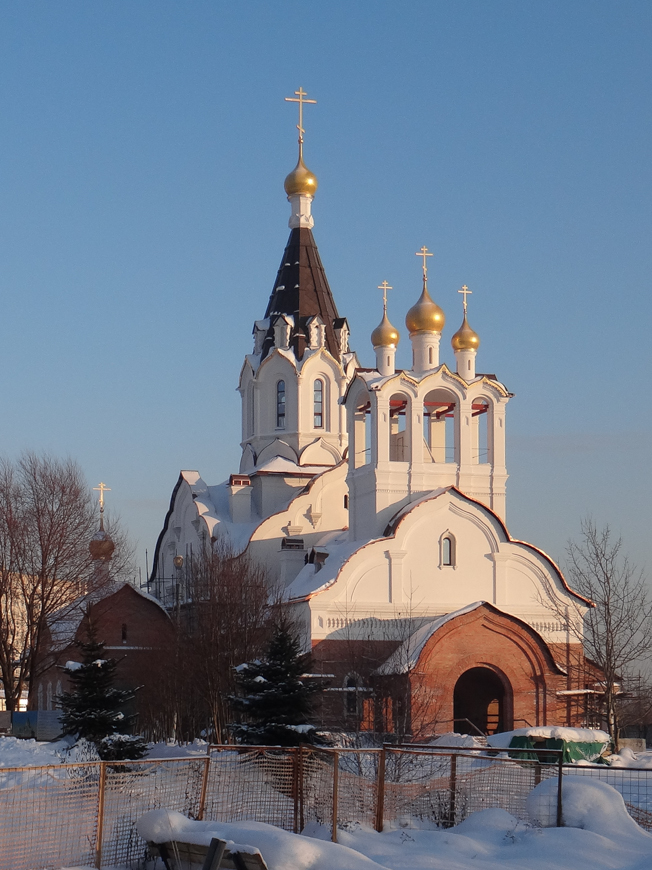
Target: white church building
[[375, 497]]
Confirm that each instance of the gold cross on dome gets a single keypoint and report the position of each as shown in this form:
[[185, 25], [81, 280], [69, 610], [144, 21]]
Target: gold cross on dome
[[102, 489], [465, 292], [385, 287], [299, 98], [424, 253]]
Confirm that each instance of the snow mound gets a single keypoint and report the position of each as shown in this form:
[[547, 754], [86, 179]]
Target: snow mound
[[280, 849], [627, 758], [452, 738], [588, 804]]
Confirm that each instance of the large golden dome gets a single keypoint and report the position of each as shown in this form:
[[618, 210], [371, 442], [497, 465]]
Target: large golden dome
[[301, 180], [385, 335], [425, 316], [465, 338]]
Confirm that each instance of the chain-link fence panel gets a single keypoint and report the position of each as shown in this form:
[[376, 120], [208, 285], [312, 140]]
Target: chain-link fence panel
[[48, 816], [259, 784], [634, 784], [133, 788], [440, 789]]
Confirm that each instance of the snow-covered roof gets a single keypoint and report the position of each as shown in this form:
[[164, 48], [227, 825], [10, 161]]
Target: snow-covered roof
[[407, 654], [309, 580], [282, 465]]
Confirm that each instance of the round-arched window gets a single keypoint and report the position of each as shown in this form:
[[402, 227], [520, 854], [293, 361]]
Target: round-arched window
[[280, 405]]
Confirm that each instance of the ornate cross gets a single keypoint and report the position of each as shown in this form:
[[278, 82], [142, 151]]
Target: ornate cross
[[385, 287], [424, 253], [465, 292], [102, 489], [300, 99]]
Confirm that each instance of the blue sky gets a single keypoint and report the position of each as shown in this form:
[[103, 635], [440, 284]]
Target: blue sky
[[143, 148]]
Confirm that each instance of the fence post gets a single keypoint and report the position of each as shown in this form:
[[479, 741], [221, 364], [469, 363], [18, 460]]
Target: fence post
[[204, 787], [336, 775], [100, 816], [295, 786], [380, 791], [560, 773], [302, 746], [453, 791]]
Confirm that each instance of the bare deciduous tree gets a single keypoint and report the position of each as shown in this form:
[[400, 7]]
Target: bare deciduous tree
[[224, 620], [617, 632], [47, 519]]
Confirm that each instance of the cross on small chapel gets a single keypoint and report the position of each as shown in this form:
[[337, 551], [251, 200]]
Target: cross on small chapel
[[300, 99], [424, 253], [465, 292], [102, 489], [385, 287]]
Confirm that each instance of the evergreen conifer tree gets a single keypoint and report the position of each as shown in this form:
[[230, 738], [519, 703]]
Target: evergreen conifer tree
[[91, 710], [275, 696]]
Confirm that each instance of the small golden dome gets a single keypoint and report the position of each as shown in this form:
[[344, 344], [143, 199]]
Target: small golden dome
[[385, 335], [301, 180], [425, 316], [465, 338]]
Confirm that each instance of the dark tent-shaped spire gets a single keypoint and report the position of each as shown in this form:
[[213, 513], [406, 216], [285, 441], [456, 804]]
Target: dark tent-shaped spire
[[301, 290]]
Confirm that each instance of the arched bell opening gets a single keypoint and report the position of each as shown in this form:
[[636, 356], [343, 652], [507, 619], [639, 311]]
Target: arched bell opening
[[439, 426], [481, 702], [399, 410]]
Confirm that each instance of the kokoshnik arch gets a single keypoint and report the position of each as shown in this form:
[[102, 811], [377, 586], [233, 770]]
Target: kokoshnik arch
[[375, 498]]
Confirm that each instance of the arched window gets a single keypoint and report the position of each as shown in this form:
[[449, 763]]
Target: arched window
[[346, 502], [447, 556], [124, 632], [280, 405], [39, 697], [48, 698], [430, 356], [318, 404], [250, 410]]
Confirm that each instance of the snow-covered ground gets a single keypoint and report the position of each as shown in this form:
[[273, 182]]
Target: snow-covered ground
[[598, 835]]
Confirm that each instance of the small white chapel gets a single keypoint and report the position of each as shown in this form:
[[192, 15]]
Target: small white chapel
[[375, 498]]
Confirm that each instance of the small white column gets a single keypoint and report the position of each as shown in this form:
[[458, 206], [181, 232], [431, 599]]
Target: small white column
[[465, 360], [425, 351], [386, 359]]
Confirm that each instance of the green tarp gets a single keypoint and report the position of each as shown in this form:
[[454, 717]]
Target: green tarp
[[571, 751]]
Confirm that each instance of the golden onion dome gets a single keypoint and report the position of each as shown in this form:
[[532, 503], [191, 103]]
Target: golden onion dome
[[465, 338], [101, 546], [385, 335], [425, 316], [301, 180]]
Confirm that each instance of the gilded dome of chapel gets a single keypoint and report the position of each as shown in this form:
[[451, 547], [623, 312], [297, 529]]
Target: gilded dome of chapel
[[425, 316], [385, 335], [465, 338]]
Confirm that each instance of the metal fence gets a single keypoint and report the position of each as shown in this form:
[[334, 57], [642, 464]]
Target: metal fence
[[86, 813]]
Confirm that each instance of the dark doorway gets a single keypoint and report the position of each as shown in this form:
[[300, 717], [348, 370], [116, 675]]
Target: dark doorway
[[479, 698]]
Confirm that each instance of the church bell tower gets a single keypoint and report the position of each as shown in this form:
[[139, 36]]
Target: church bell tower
[[293, 424]]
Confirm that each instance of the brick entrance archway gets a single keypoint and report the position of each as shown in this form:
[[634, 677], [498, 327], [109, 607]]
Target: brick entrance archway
[[479, 702]]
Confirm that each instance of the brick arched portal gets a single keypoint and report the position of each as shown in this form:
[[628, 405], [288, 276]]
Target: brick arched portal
[[479, 701], [497, 648]]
